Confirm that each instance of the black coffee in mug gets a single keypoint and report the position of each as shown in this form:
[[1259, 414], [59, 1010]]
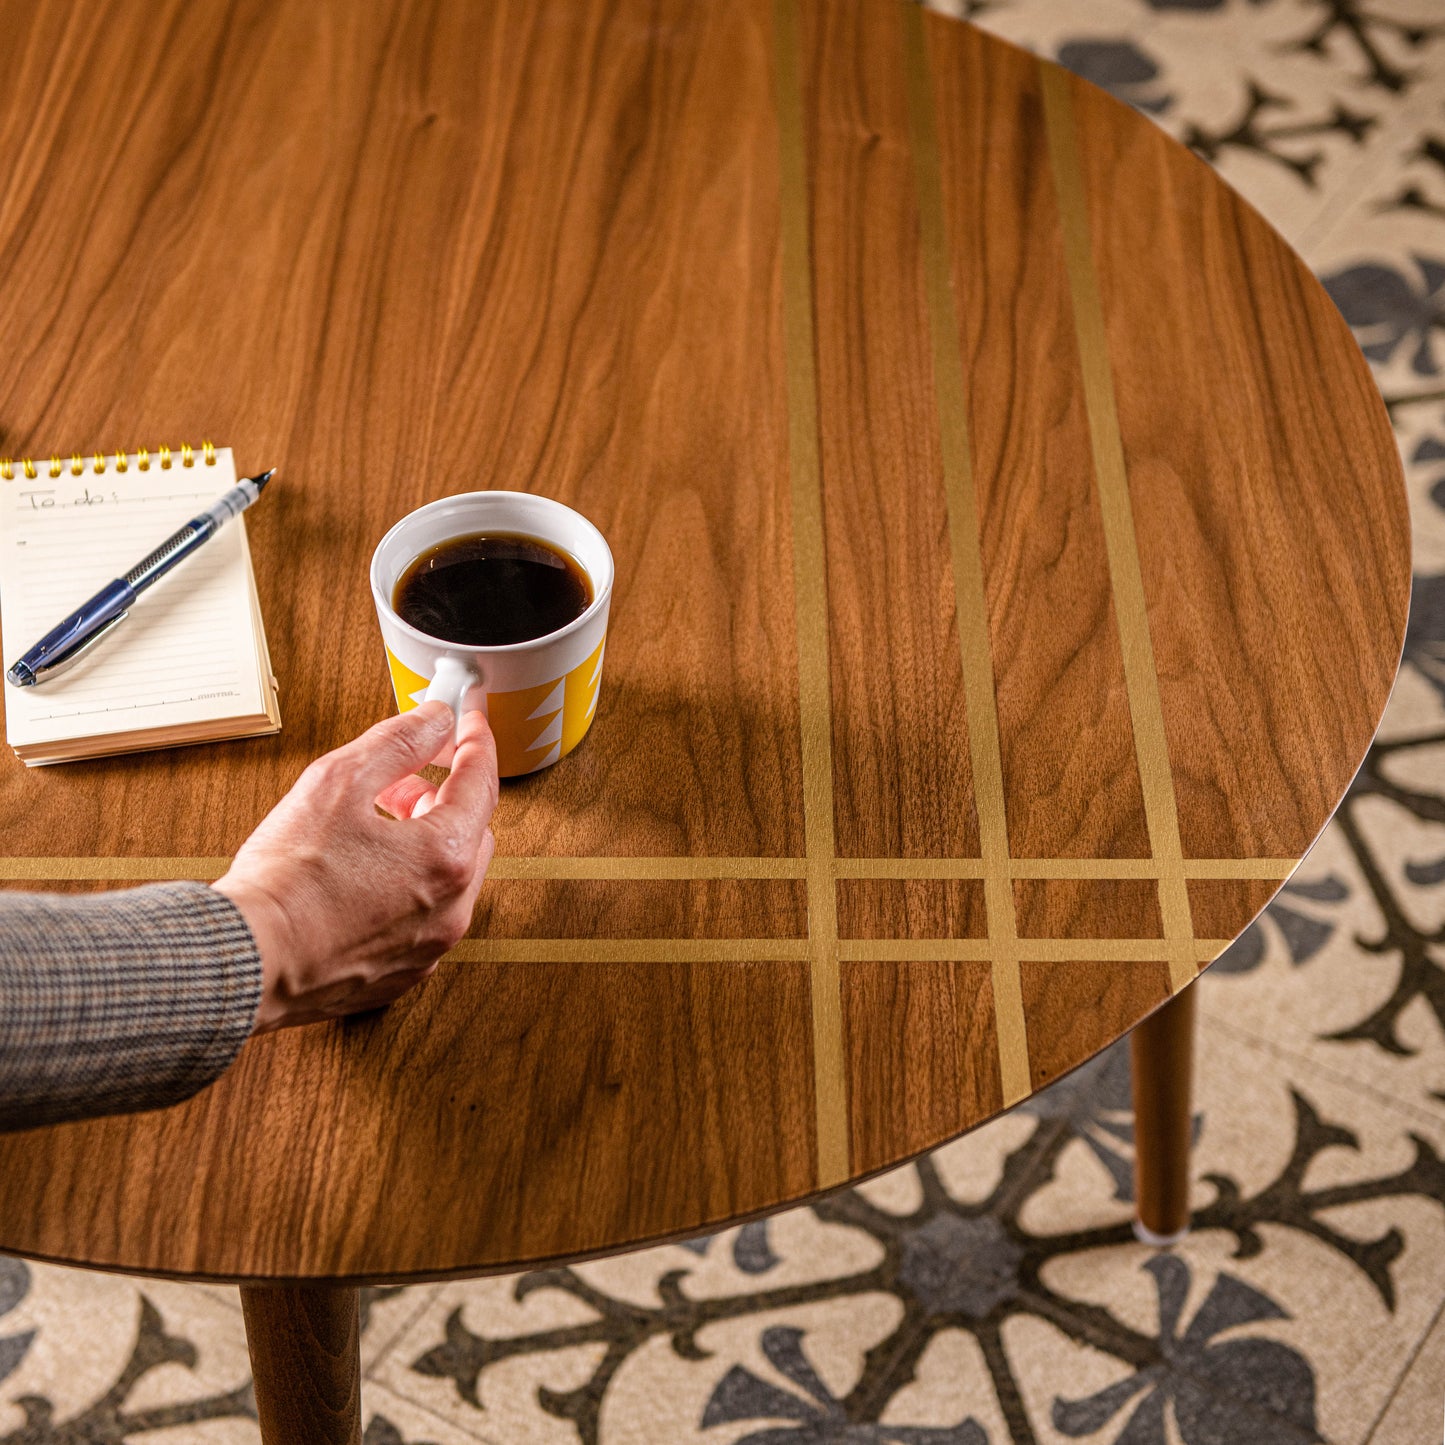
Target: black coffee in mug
[[492, 589]]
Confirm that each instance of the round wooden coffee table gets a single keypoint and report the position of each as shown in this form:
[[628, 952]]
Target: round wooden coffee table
[[1012, 568]]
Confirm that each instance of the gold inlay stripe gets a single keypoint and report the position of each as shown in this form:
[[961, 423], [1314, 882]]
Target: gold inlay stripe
[[130, 870], [1118, 868], [621, 870], [1266, 868], [630, 950], [810, 601], [909, 868], [1027, 950], [1062, 951], [1098, 868], [638, 869], [967, 556], [1126, 579]]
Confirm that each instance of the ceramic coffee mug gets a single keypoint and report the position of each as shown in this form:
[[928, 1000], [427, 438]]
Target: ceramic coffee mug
[[539, 696]]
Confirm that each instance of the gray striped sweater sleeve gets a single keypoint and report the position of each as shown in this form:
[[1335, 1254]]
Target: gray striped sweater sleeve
[[113, 1002]]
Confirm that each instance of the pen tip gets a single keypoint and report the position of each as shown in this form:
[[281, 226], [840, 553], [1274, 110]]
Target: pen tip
[[259, 482]]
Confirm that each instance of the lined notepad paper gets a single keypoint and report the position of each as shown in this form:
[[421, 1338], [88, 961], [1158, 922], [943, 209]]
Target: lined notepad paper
[[189, 664]]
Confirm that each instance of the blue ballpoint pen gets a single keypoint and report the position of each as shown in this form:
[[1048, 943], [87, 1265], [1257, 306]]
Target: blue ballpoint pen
[[64, 644]]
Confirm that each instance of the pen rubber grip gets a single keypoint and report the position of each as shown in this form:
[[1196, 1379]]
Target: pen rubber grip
[[178, 545]]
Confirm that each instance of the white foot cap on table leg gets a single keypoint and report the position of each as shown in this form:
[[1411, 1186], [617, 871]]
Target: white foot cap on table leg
[[1145, 1235]]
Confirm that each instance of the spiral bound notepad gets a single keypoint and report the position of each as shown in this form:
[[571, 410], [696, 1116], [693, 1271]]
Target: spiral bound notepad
[[188, 665]]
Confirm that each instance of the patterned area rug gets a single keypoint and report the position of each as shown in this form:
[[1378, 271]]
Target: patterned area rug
[[994, 1292]]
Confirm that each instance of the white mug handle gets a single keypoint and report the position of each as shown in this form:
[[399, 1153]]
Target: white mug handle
[[457, 684]]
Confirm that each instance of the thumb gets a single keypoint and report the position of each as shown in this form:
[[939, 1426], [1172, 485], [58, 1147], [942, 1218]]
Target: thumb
[[397, 746]]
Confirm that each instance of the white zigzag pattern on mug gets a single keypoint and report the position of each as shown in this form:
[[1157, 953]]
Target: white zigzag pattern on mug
[[551, 703], [551, 709], [592, 683]]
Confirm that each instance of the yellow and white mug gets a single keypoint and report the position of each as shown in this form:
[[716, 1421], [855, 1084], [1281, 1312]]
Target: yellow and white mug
[[539, 696]]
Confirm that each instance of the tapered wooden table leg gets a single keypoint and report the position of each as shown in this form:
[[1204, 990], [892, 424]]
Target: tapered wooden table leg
[[1163, 1060], [306, 1359]]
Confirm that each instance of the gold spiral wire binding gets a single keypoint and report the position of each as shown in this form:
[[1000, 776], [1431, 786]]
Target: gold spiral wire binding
[[99, 463]]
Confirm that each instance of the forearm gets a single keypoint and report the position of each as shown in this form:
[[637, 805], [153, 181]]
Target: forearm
[[115, 1002]]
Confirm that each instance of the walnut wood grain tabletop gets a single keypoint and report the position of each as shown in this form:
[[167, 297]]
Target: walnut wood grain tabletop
[[1012, 566]]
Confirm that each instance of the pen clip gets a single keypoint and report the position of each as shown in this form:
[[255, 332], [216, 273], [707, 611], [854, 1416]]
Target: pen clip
[[45, 673]]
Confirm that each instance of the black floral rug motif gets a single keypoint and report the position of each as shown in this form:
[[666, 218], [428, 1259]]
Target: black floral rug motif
[[974, 1266]]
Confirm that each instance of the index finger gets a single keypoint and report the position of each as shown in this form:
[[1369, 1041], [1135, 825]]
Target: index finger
[[471, 787]]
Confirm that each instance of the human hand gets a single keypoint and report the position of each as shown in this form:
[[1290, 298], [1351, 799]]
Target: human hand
[[350, 909]]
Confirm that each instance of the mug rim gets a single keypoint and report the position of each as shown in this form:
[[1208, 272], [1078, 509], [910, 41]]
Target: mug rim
[[603, 593]]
